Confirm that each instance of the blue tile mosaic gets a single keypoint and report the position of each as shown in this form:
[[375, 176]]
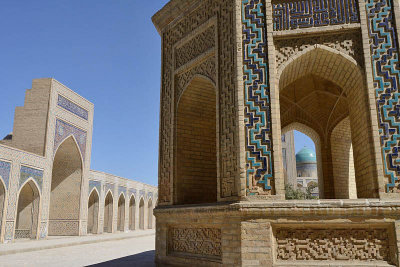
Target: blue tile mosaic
[[142, 193], [72, 107], [64, 130], [386, 71], [132, 192], [5, 170], [94, 184], [300, 14], [107, 187], [257, 98], [27, 172], [150, 195], [122, 189]]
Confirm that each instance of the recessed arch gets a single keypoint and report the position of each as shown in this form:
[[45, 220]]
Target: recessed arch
[[141, 214], [345, 95], [150, 214], [27, 210], [108, 212], [296, 126], [121, 213], [66, 189], [132, 213], [93, 211], [196, 146]]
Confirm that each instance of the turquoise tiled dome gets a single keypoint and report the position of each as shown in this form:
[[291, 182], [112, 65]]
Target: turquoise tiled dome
[[306, 155]]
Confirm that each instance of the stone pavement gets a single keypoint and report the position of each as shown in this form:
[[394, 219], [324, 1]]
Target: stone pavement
[[126, 249]]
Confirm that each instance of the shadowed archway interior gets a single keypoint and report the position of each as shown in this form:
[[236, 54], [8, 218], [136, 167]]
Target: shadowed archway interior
[[66, 190], [27, 211], [108, 213], [150, 214], [141, 214], [196, 149], [121, 213], [93, 212], [132, 213]]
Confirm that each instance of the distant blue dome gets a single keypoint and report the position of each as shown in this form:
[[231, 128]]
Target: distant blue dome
[[306, 155]]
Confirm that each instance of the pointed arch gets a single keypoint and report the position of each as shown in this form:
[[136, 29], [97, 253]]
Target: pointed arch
[[121, 212], [65, 193], [132, 213], [196, 134], [108, 212], [310, 132], [27, 210], [76, 144], [150, 214], [344, 93], [93, 211], [141, 213], [194, 78]]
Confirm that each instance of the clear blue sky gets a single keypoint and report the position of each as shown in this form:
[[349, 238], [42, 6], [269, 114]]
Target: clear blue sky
[[106, 51]]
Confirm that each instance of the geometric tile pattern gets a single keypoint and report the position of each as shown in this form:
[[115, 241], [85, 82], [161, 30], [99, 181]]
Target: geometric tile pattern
[[257, 99], [122, 189], [385, 65], [27, 172], [142, 193], [72, 107], [132, 192], [64, 130], [5, 169], [150, 195], [94, 184], [109, 187], [332, 244], [296, 14]]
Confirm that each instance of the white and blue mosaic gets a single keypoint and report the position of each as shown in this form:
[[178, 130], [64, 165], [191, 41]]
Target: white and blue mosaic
[[72, 107], [122, 189], [94, 184], [27, 172], [64, 130], [5, 170]]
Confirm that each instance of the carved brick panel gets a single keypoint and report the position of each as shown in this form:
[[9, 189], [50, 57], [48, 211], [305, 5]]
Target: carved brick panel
[[204, 242], [333, 245]]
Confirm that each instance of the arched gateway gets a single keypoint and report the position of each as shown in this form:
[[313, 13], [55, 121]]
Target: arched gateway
[[236, 75]]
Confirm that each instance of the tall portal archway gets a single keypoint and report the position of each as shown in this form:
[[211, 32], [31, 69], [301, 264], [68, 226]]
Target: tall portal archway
[[121, 213], [141, 214], [196, 149], [132, 213], [314, 93], [108, 212], [27, 211], [150, 214], [66, 189], [93, 212]]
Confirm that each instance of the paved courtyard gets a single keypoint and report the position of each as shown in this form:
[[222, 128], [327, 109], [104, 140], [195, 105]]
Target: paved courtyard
[[133, 251]]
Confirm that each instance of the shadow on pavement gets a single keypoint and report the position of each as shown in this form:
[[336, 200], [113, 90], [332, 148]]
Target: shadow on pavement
[[145, 259]]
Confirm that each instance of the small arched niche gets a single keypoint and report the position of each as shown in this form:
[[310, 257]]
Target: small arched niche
[[108, 213], [93, 212], [27, 211], [141, 214], [121, 213], [132, 213], [196, 144]]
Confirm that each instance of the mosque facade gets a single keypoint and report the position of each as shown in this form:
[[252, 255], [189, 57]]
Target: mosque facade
[[46, 185]]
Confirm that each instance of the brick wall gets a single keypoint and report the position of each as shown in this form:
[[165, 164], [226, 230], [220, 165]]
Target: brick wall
[[196, 145]]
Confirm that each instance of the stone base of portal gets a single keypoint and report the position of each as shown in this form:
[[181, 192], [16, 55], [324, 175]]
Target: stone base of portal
[[363, 232]]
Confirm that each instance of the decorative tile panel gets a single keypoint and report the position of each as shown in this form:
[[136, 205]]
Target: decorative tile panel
[[142, 194], [72, 107], [121, 189], [9, 231], [204, 242], [94, 184], [132, 192], [333, 245], [300, 14], [150, 195], [27, 172], [257, 99], [107, 187], [5, 170], [43, 230], [385, 66], [64, 130]]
